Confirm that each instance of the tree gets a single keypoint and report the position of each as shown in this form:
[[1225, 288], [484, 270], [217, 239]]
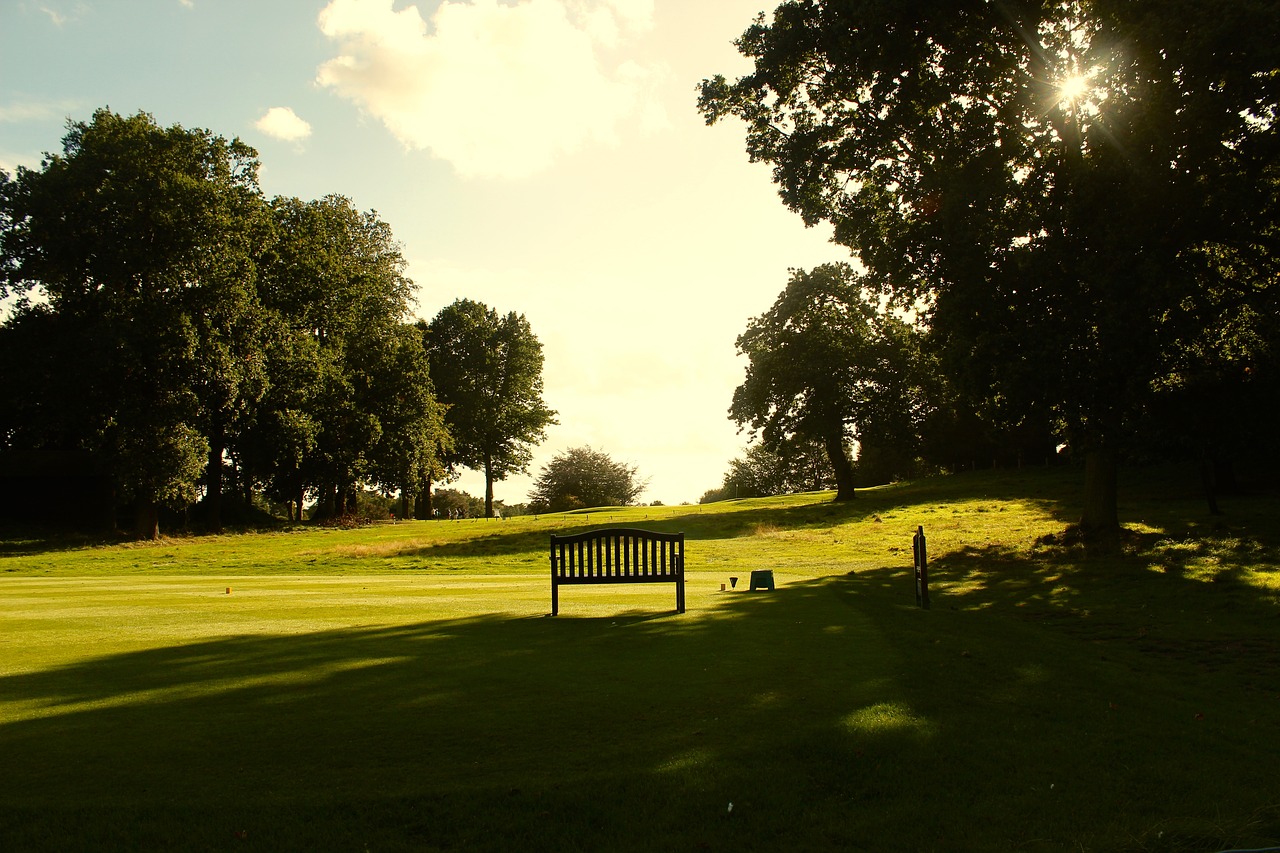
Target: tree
[[1059, 181], [583, 477], [413, 432], [454, 504], [825, 365], [801, 466], [1220, 403], [231, 334], [360, 406], [281, 433], [141, 239], [488, 370], [48, 401], [169, 320]]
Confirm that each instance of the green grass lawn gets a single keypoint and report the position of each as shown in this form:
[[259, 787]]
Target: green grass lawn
[[401, 687]]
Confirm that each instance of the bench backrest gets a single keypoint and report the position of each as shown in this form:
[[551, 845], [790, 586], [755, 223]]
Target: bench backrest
[[621, 553]]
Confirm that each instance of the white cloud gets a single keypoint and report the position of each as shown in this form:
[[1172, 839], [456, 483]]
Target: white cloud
[[496, 89], [55, 16], [283, 123], [32, 111], [60, 17]]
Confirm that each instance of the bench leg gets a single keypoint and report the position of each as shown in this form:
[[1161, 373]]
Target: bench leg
[[555, 598], [680, 596]]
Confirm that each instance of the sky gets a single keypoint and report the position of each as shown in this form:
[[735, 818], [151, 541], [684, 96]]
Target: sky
[[540, 156]]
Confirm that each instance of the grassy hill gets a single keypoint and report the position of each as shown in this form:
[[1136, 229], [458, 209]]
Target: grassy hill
[[401, 687]]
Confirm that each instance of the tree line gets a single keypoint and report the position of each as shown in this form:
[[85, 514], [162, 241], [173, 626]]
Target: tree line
[[203, 344], [1077, 200], [843, 392]]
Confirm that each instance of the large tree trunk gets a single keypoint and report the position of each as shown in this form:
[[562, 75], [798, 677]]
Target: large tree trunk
[[422, 502], [328, 504], [1209, 482], [841, 464], [488, 486], [1101, 517], [146, 519], [1216, 477], [213, 478]]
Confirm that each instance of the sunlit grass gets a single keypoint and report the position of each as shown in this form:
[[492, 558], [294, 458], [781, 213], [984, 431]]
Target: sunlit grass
[[401, 687], [887, 717]]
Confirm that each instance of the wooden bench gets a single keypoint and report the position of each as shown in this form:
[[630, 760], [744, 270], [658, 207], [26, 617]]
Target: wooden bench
[[617, 555]]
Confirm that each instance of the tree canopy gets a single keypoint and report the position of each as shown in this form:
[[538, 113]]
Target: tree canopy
[[1070, 189], [582, 477], [487, 369], [171, 319], [826, 365], [802, 466], [361, 407], [140, 240]]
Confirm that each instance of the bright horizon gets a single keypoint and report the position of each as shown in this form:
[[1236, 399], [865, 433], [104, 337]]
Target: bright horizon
[[539, 156]]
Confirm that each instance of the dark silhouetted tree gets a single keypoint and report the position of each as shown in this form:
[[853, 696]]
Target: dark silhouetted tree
[[1059, 183], [142, 239], [826, 365]]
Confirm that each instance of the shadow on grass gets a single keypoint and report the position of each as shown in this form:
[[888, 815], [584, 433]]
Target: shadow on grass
[[1193, 608], [1046, 702], [630, 732], [1137, 674], [831, 714], [15, 542]]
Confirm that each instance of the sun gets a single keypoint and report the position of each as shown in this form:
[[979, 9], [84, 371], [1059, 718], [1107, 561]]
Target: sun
[[1073, 88]]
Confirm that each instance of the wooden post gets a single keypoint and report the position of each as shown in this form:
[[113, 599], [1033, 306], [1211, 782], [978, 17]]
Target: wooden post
[[922, 568], [555, 588]]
